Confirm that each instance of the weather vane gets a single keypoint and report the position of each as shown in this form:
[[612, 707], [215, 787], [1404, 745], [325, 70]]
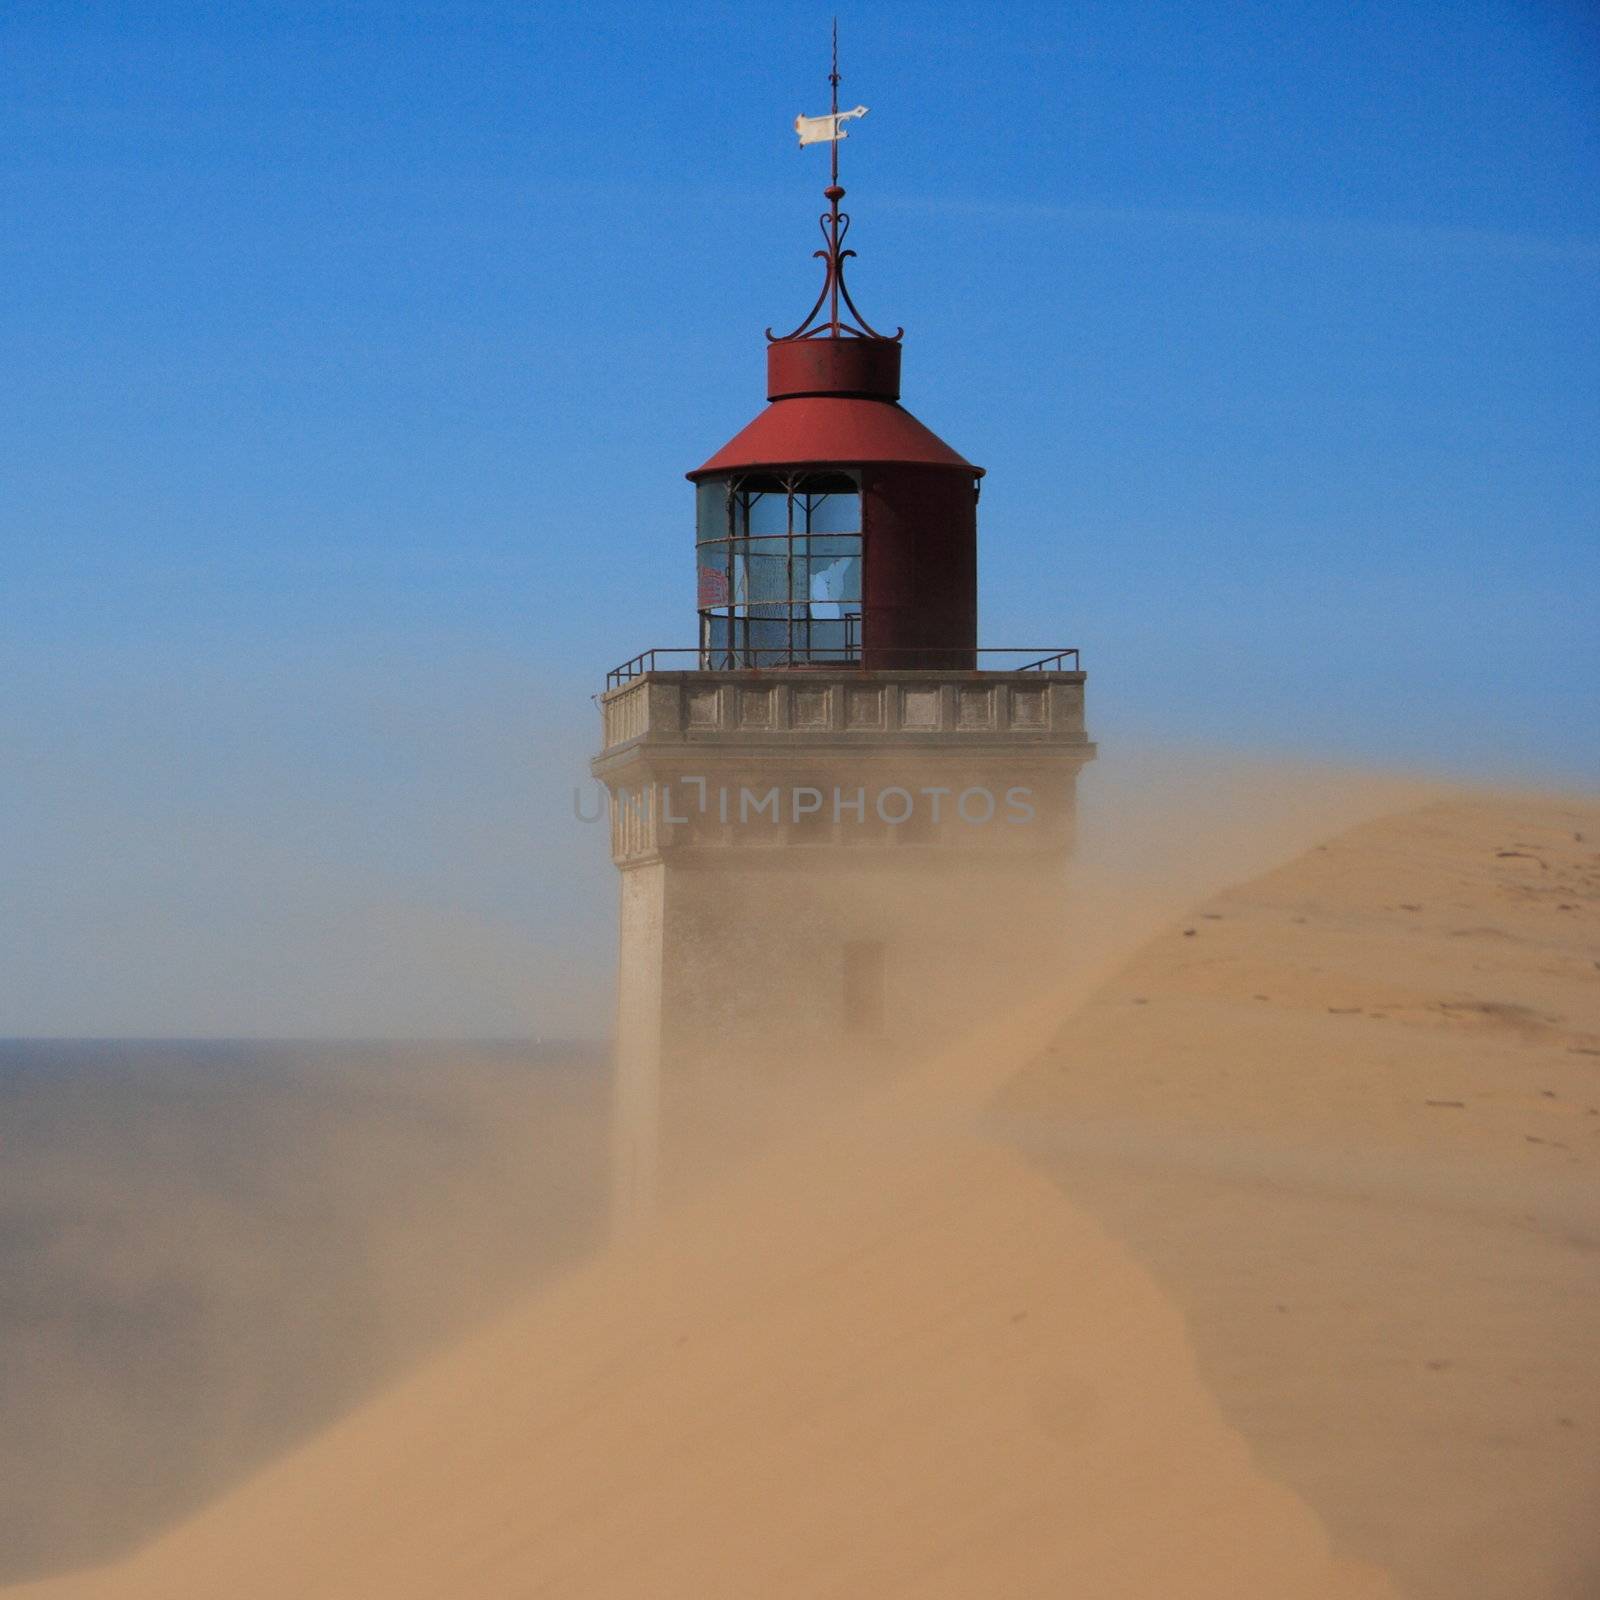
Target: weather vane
[[829, 130]]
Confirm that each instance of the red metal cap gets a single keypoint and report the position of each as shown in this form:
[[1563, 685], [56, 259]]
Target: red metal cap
[[868, 367], [834, 404], [834, 430]]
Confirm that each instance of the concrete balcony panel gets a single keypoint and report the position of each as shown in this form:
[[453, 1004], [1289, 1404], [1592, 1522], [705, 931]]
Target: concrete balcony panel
[[846, 707]]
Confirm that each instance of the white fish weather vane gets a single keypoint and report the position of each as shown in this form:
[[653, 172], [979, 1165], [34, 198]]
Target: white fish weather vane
[[829, 128], [815, 130]]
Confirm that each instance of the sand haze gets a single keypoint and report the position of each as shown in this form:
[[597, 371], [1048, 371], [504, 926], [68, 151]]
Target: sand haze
[[1150, 1285]]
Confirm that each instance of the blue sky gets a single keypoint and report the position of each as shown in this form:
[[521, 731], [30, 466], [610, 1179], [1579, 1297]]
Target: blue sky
[[353, 356]]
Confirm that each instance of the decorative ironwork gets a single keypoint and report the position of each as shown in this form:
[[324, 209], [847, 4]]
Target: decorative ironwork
[[835, 225]]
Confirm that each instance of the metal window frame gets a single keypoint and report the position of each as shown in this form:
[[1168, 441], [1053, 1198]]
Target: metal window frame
[[798, 647]]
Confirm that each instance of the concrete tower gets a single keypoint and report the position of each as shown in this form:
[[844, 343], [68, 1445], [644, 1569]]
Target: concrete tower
[[833, 810]]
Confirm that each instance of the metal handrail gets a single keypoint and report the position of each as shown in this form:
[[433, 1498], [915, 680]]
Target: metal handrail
[[723, 660]]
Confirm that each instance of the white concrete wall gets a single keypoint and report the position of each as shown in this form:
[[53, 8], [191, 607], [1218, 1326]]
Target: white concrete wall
[[636, 1072]]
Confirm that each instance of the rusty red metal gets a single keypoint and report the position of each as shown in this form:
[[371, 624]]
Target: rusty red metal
[[835, 430], [869, 368], [919, 583]]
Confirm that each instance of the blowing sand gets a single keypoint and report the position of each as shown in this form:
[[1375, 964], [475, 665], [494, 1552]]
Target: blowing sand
[[897, 1356], [895, 1362]]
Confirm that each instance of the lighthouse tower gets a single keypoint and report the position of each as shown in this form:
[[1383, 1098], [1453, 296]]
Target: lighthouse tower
[[834, 810]]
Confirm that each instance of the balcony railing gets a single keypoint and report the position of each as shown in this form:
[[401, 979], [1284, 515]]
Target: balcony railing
[[688, 658]]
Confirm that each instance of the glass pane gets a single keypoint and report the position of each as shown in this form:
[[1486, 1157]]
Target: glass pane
[[767, 639], [714, 633], [766, 514], [711, 585], [711, 509], [831, 548], [828, 638], [834, 513], [759, 568], [833, 585], [768, 577]]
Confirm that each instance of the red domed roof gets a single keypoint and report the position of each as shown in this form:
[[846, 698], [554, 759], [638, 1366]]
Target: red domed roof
[[834, 404], [834, 430]]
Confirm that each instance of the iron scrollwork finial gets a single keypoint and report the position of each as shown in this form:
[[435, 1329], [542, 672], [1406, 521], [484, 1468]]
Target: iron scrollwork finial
[[849, 324], [835, 225]]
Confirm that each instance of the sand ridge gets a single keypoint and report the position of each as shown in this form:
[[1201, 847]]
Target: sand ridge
[[1441, 961], [1349, 1113]]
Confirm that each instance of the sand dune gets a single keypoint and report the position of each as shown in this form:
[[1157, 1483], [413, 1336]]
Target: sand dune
[[894, 1358], [1349, 1113]]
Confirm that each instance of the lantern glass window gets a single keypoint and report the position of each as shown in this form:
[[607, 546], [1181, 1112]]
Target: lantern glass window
[[711, 510], [838, 512], [779, 568], [760, 507]]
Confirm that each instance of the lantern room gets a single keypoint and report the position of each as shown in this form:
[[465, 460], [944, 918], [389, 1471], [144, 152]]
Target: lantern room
[[778, 560], [836, 527]]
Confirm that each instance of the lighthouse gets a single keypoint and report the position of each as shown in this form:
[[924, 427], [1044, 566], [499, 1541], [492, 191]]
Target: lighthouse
[[832, 810]]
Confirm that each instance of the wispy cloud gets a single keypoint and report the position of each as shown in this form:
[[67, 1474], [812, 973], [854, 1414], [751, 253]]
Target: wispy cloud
[[1263, 228]]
